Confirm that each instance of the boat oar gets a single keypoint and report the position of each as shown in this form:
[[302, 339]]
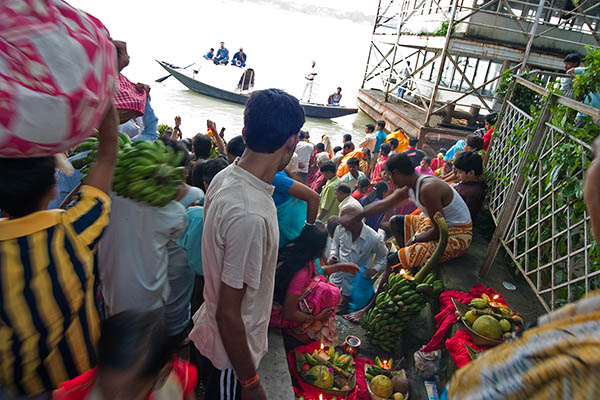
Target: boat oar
[[165, 77]]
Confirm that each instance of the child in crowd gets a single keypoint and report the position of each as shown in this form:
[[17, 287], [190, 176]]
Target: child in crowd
[[365, 162], [468, 167], [424, 167], [393, 144], [375, 196], [329, 205], [354, 174], [135, 362], [304, 303], [385, 152], [438, 161], [50, 324], [362, 190]]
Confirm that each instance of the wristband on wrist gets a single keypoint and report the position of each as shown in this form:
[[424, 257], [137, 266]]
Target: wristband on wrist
[[308, 224], [249, 382]]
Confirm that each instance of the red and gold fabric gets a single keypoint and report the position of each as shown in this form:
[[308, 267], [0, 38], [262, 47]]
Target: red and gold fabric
[[417, 254]]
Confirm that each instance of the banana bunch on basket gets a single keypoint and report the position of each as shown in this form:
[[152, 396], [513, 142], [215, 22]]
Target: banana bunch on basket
[[395, 306], [147, 172]]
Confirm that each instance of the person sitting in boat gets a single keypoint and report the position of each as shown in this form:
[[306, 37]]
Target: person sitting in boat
[[222, 57], [334, 99], [210, 54], [239, 59], [246, 80]]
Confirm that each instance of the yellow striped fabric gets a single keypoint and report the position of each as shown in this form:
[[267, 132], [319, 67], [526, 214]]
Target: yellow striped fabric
[[49, 325]]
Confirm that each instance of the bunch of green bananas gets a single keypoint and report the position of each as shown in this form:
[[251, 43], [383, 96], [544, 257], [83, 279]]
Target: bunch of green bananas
[[395, 306], [146, 171]]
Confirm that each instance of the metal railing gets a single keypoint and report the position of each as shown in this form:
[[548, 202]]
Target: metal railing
[[540, 219]]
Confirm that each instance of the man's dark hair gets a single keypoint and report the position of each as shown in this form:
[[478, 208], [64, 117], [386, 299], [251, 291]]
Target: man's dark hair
[[271, 116], [304, 135], [24, 182], [353, 161], [427, 160], [475, 142], [491, 118], [135, 340], [347, 137], [370, 127], [198, 175], [574, 58], [412, 141], [401, 163], [469, 161], [348, 145], [177, 148], [328, 167], [202, 146], [443, 150], [381, 124], [364, 182], [337, 148], [385, 149], [393, 143], [343, 188], [212, 167], [212, 49], [320, 147], [236, 146]]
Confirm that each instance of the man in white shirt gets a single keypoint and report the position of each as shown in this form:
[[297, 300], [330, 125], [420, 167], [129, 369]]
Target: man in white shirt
[[239, 250], [133, 254], [344, 198], [310, 79], [354, 174], [357, 243], [304, 149]]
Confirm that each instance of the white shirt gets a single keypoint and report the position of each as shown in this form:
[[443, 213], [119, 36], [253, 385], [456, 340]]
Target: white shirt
[[456, 213], [133, 255], [304, 151], [350, 180], [367, 251], [369, 142], [309, 75], [239, 247]]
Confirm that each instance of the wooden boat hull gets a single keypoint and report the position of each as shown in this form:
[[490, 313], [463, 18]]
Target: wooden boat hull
[[310, 110]]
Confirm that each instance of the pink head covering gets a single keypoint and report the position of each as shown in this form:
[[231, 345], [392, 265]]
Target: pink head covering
[[58, 72]]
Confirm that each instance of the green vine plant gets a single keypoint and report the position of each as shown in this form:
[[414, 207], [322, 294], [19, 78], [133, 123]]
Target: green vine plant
[[561, 169]]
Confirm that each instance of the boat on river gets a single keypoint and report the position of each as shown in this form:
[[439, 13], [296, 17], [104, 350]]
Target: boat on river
[[310, 110]]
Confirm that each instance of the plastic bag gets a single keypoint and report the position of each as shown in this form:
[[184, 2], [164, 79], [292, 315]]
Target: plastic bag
[[427, 364], [362, 291]]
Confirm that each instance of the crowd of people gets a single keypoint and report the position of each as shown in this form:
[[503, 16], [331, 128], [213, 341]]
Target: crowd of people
[[101, 292]]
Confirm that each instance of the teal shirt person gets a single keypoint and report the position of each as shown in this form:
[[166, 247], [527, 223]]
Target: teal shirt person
[[380, 136], [191, 240], [591, 99]]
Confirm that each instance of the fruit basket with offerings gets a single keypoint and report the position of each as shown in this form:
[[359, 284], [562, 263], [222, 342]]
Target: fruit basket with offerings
[[385, 382], [326, 369], [488, 321]]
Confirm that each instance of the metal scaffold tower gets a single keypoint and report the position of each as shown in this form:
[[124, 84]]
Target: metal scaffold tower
[[446, 57]]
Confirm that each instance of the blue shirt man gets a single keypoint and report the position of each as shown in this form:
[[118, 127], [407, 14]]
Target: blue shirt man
[[239, 59], [380, 135], [210, 54], [222, 57]]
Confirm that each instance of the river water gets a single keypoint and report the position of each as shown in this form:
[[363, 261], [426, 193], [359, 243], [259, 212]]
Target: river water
[[280, 38]]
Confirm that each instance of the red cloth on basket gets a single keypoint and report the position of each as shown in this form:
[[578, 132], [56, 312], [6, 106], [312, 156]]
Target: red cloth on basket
[[447, 316], [311, 392], [456, 347]]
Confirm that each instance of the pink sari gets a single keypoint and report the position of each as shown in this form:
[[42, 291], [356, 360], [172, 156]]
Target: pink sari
[[318, 295]]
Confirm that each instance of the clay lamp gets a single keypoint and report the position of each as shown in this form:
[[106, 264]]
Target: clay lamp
[[406, 275], [494, 303], [323, 354], [385, 365]]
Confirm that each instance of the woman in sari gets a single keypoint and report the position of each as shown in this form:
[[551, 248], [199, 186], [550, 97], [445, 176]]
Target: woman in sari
[[304, 302]]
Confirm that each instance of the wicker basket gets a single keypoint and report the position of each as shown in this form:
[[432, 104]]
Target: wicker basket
[[478, 339]]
